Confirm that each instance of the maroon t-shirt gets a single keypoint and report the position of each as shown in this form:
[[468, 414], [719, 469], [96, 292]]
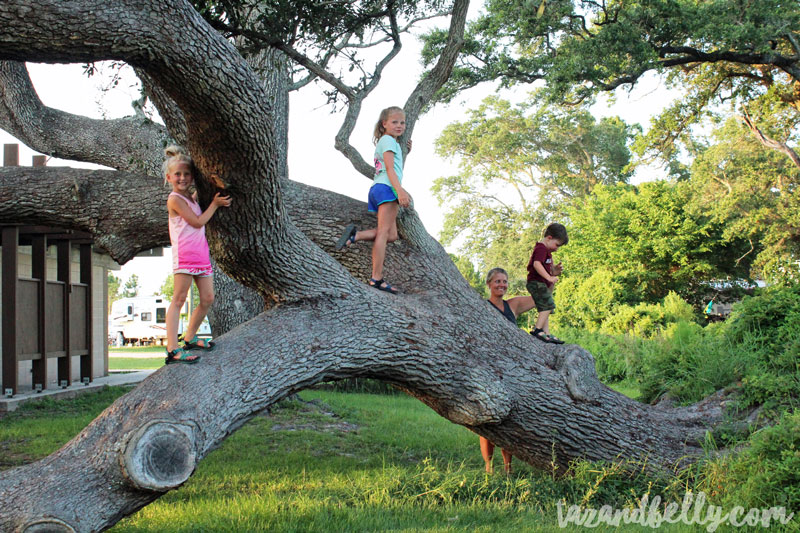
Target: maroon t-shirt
[[543, 255]]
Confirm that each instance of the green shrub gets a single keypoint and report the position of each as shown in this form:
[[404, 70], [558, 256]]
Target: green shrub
[[770, 390], [586, 303], [690, 362], [647, 320], [764, 474], [615, 355], [773, 314]]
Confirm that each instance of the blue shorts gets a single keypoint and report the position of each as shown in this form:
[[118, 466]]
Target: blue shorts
[[380, 193]]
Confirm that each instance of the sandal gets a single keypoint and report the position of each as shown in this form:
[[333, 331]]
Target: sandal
[[541, 335], [195, 344], [381, 285], [553, 339], [179, 355], [348, 237]]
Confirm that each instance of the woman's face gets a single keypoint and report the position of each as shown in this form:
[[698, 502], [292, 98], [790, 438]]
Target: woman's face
[[498, 285]]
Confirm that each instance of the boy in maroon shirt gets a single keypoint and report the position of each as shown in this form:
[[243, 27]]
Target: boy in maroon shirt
[[542, 276]]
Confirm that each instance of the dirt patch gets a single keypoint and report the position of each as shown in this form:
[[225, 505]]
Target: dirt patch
[[346, 427], [296, 414]]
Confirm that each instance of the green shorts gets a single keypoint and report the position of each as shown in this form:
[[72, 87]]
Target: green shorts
[[542, 295]]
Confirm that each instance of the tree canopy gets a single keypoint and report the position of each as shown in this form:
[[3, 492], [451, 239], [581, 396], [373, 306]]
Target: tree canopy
[[719, 53], [520, 165], [651, 239]]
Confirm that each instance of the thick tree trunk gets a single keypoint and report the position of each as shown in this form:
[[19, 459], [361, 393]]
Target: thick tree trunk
[[234, 303], [437, 340]]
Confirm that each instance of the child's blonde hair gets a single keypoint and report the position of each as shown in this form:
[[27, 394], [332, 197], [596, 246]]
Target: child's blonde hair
[[175, 154], [379, 129]]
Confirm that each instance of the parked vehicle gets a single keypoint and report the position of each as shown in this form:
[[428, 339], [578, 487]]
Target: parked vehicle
[[717, 312], [143, 320]]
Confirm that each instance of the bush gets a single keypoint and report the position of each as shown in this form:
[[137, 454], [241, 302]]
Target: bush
[[586, 303], [690, 362], [615, 355], [647, 320], [772, 317], [767, 473]]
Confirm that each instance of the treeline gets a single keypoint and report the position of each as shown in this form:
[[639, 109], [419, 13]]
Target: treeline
[[719, 221]]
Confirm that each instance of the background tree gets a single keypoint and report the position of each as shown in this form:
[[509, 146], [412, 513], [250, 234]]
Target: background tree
[[745, 55], [519, 168], [541, 402], [754, 195], [168, 287], [113, 289], [131, 287], [650, 239]]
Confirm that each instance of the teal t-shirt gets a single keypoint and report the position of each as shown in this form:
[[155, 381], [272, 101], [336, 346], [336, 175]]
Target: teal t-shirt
[[387, 143]]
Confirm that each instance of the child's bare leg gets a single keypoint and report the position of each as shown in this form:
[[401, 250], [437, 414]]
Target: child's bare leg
[[181, 284], [366, 234], [542, 321], [205, 289], [487, 450], [386, 232]]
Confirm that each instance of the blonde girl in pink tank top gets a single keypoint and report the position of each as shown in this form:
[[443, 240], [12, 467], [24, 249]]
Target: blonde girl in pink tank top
[[190, 257]]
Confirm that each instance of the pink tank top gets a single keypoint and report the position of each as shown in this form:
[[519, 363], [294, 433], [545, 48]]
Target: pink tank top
[[189, 244]]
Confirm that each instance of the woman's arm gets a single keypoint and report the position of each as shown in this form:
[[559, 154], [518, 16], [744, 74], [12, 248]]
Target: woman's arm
[[520, 304]]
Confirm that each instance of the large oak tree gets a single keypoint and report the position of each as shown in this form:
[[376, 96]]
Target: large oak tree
[[438, 340]]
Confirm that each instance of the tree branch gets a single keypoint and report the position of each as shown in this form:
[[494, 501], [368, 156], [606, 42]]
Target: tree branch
[[228, 119], [124, 144], [434, 79], [101, 202], [768, 142], [692, 55], [795, 45]]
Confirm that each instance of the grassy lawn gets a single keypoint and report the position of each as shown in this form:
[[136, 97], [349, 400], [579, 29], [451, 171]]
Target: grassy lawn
[[331, 462], [135, 363], [629, 388], [142, 357], [136, 349]]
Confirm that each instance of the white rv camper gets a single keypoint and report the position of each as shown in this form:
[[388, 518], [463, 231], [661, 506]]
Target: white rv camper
[[138, 320], [143, 320]]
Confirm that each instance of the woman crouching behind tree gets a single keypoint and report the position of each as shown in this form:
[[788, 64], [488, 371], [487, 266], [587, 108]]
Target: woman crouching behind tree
[[497, 281]]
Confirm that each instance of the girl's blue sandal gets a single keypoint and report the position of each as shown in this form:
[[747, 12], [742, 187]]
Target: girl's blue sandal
[[381, 285], [348, 236], [179, 355], [198, 344]]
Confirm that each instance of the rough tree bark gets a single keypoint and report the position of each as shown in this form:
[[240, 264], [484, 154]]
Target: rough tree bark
[[438, 340]]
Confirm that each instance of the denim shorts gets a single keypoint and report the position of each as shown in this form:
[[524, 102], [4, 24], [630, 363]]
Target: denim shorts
[[380, 193], [542, 295]]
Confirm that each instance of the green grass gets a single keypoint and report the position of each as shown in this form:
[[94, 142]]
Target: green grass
[[135, 363], [136, 349], [339, 462], [629, 388], [39, 428]]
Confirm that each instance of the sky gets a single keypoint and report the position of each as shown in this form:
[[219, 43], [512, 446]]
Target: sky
[[312, 127]]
